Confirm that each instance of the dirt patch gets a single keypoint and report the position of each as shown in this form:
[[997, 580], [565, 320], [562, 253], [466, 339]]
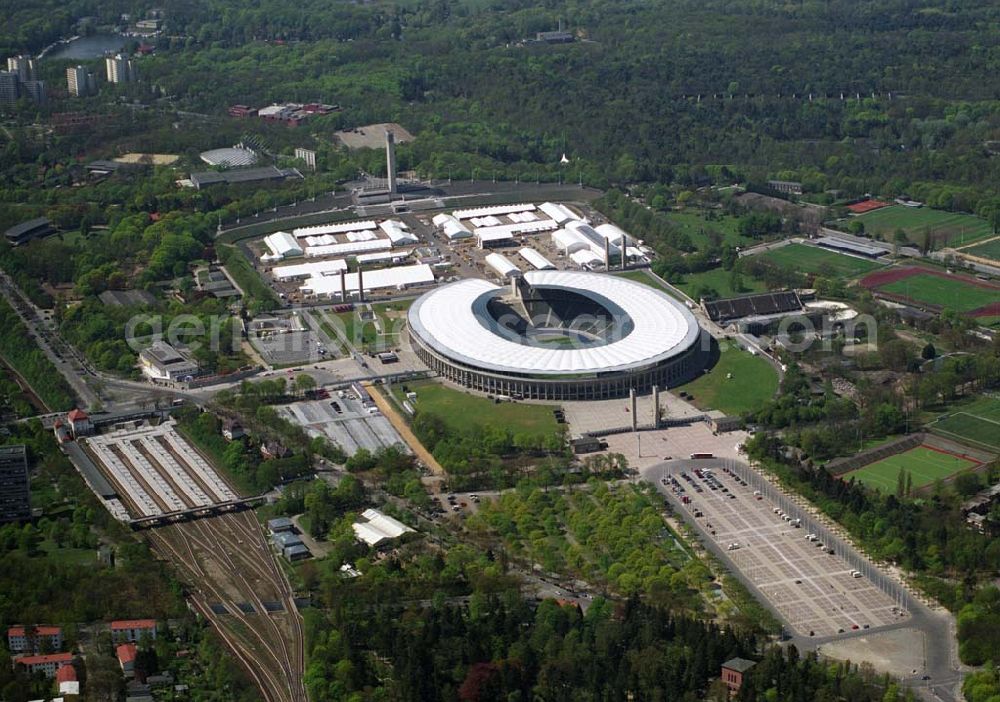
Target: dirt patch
[[898, 652]]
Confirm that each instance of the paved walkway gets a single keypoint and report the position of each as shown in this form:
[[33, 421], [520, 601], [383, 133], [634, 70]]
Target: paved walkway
[[397, 421]]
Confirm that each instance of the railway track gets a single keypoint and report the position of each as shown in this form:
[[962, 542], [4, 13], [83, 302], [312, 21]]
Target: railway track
[[269, 645]]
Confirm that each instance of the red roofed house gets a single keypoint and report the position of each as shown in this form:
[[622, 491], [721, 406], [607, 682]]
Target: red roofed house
[[22, 639], [61, 432], [67, 680], [132, 629], [80, 423], [47, 664], [126, 658]]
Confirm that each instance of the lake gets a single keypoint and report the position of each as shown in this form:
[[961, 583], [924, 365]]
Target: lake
[[94, 46]]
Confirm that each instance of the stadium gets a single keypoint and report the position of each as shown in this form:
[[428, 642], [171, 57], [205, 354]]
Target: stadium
[[556, 335]]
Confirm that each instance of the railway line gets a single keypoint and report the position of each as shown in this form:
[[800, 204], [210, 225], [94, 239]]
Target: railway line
[[227, 561]]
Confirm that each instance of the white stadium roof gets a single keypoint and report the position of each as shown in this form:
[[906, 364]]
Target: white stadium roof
[[453, 321], [538, 261]]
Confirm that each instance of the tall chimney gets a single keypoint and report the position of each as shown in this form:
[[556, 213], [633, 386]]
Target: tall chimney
[[624, 246], [361, 285], [656, 406], [631, 402], [607, 254], [390, 160], [343, 284]]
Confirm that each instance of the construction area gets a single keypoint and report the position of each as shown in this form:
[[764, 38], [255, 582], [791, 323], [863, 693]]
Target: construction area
[[814, 581], [234, 582], [156, 473], [346, 420]]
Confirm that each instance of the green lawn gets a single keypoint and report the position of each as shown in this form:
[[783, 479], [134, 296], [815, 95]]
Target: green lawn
[[990, 249], [817, 261], [391, 317], [753, 381], [977, 422], [951, 228], [646, 278], [953, 293], [462, 411], [720, 281], [924, 464], [697, 225]]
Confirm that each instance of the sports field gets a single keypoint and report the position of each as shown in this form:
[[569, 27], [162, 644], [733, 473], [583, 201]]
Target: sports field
[[989, 249], [944, 228], [944, 291], [462, 411], [719, 280], [977, 423], [738, 383], [923, 463], [817, 261]]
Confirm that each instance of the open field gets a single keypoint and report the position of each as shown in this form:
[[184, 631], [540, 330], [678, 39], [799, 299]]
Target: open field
[[937, 288], [817, 261], [720, 281], [738, 383], [924, 463], [977, 423], [989, 249], [645, 278], [462, 411], [702, 230], [944, 228], [382, 331]]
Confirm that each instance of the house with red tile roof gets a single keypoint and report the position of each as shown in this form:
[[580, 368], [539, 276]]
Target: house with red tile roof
[[132, 629], [48, 663], [25, 639]]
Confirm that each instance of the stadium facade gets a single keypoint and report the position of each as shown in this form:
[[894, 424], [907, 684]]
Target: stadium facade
[[557, 335]]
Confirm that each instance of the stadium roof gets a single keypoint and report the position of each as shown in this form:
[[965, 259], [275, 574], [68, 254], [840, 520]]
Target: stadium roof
[[233, 157], [452, 320], [859, 247]]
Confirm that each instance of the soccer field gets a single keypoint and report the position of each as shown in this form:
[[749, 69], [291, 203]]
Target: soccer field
[[977, 423], [951, 228], [812, 259], [924, 464], [950, 292]]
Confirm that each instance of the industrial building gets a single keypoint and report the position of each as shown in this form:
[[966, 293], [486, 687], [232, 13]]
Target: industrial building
[[282, 245], [556, 335], [161, 361], [375, 528], [15, 493]]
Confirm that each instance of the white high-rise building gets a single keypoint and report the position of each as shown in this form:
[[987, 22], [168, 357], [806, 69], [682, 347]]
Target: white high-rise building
[[81, 81], [23, 66], [120, 69]]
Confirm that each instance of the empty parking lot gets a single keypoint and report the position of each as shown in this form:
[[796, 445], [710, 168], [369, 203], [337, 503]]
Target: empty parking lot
[[156, 471], [344, 421], [812, 580]]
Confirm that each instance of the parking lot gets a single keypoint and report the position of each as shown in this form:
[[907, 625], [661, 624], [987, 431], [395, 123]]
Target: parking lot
[[807, 577], [344, 421], [290, 348]]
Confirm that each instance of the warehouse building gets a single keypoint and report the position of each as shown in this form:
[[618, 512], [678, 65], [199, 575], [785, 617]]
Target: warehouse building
[[282, 245]]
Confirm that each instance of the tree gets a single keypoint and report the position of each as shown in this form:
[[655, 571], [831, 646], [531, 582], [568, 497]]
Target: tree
[[928, 352], [304, 383]]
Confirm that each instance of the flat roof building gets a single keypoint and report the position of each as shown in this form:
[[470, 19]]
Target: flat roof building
[[242, 175], [161, 361], [15, 494]]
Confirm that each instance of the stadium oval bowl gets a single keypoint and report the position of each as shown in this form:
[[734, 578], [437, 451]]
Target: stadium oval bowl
[[556, 335]]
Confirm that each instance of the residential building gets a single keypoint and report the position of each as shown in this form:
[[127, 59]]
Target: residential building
[[733, 671], [34, 90], [161, 361], [9, 89], [149, 24], [308, 156], [126, 658], [31, 229], [81, 81], [15, 499], [232, 430], [788, 187], [80, 423], [67, 680], [132, 630], [27, 639], [47, 664], [23, 66], [120, 69]]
